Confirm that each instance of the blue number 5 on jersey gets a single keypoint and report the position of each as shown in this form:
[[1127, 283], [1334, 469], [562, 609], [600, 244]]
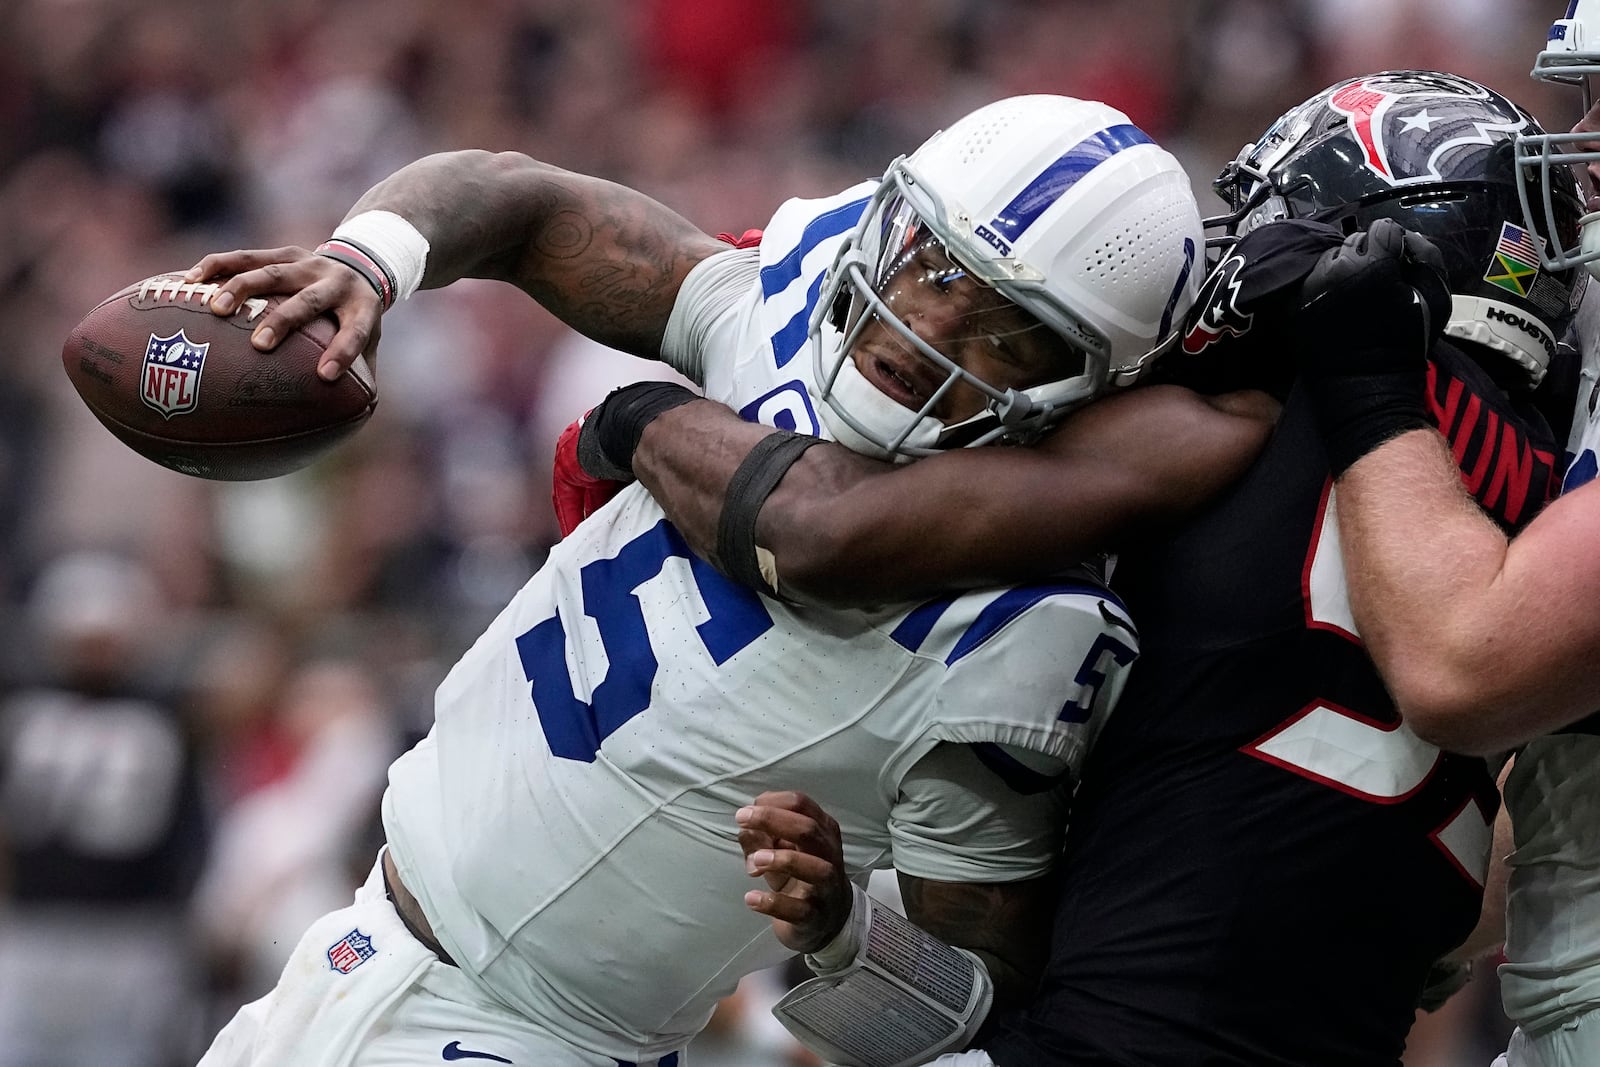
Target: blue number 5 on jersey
[[573, 728]]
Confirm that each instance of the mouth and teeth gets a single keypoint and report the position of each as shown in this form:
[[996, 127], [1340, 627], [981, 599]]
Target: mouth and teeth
[[906, 383], [900, 385]]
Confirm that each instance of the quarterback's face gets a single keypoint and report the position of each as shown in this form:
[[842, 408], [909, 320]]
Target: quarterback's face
[[967, 322]]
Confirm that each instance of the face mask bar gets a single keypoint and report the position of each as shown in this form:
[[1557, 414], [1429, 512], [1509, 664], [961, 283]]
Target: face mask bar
[[1537, 157], [1568, 68], [913, 259], [1009, 406], [1566, 62], [1247, 210]]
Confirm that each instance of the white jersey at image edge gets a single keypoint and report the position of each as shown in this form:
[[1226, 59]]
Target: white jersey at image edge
[[568, 824], [1552, 968]]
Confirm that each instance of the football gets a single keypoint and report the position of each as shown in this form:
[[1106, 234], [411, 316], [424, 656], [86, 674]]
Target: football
[[185, 388]]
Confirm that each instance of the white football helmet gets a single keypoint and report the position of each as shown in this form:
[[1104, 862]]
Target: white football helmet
[[1063, 207], [1570, 56]]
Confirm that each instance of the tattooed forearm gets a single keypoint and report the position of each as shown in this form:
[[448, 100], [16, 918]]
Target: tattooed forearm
[[602, 257], [567, 234], [609, 260], [1007, 924]]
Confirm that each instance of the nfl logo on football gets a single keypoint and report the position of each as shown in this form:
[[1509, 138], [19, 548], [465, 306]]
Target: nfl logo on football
[[171, 373], [351, 951]]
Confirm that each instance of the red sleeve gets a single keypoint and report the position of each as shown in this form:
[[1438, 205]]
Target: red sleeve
[[748, 239]]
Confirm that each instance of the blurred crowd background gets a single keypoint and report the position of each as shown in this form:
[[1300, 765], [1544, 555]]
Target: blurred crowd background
[[201, 684]]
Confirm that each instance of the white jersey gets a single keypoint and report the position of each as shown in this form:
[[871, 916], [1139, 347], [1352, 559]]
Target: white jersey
[[568, 825], [1552, 968]]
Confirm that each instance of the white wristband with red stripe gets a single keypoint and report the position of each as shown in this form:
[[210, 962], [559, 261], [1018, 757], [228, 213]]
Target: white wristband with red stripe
[[394, 248]]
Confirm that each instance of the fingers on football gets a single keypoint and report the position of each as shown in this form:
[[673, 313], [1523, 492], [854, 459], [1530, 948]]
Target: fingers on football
[[356, 325], [313, 285], [227, 264]]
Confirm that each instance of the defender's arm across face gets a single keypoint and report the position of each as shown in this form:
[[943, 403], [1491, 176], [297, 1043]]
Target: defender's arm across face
[[844, 529], [604, 258], [1485, 643]]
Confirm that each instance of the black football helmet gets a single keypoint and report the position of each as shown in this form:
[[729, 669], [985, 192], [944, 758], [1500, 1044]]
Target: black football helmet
[[1437, 153]]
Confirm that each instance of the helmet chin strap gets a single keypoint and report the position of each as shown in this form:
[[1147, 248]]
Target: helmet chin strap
[[864, 420]]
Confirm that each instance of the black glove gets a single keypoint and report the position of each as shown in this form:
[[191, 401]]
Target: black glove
[[611, 432], [1370, 311]]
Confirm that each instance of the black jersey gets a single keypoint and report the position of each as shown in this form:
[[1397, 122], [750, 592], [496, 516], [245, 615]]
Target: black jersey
[[1262, 861], [99, 799]]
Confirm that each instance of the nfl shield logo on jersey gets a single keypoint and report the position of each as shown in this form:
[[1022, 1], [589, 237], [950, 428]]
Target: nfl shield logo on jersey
[[171, 373], [351, 951]]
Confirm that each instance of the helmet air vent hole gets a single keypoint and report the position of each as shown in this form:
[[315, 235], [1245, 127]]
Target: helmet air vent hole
[[979, 140]]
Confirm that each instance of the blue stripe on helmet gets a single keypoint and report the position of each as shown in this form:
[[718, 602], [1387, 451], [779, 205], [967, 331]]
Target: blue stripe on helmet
[[1177, 290], [1062, 175]]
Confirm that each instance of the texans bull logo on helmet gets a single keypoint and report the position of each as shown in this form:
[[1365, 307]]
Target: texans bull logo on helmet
[[1381, 118]]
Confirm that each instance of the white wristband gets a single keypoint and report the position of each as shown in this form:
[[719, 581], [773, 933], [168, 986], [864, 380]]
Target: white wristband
[[905, 998], [398, 246], [840, 953]]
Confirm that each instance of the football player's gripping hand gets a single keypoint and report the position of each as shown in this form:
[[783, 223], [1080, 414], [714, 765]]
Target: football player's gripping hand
[[575, 493], [1370, 311], [794, 845], [312, 285]]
